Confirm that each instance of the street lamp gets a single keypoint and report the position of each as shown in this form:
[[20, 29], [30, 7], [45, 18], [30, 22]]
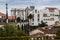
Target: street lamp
[[6, 13]]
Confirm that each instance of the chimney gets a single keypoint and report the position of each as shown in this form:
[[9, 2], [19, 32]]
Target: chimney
[[32, 7]]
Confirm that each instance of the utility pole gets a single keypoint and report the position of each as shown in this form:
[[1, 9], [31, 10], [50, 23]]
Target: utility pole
[[6, 13], [15, 14]]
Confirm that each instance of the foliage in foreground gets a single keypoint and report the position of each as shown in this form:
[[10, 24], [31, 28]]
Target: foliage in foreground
[[57, 33], [43, 24], [10, 30]]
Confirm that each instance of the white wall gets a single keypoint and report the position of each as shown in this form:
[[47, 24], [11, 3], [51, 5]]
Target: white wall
[[46, 11]]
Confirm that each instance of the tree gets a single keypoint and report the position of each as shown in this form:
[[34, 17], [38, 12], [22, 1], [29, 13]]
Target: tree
[[10, 30], [57, 23], [43, 24], [18, 19], [29, 18], [2, 32], [57, 33]]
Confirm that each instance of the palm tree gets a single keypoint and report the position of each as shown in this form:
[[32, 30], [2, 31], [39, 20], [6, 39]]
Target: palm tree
[[29, 18], [43, 24], [19, 21]]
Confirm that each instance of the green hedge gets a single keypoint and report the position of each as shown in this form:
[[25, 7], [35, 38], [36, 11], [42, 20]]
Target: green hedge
[[24, 37], [57, 37]]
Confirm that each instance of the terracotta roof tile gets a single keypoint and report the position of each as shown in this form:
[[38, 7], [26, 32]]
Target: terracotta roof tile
[[46, 31], [11, 17], [2, 14], [50, 8]]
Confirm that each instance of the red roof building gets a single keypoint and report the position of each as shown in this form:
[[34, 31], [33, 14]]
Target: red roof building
[[11, 17], [2, 15], [50, 8]]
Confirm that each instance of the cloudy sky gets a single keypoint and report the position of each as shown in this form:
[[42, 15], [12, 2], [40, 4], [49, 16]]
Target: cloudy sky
[[24, 3]]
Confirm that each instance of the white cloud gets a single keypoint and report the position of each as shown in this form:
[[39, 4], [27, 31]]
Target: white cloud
[[2, 0], [2, 8], [46, 0], [15, 5]]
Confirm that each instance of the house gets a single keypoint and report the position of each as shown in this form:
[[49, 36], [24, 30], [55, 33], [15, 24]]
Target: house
[[44, 31], [2, 17], [36, 17], [50, 15], [22, 13], [11, 18], [18, 13]]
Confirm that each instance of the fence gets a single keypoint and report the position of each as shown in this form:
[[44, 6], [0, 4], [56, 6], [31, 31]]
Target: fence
[[27, 38]]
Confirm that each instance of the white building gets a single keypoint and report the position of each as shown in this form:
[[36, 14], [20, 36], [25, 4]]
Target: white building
[[49, 15], [22, 13], [36, 18], [18, 13], [43, 31]]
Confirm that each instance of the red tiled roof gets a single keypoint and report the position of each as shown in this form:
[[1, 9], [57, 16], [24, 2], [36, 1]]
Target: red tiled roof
[[11, 17], [46, 30], [50, 8], [2, 14]]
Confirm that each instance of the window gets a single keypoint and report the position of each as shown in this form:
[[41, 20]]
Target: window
[[44, 19], [51, 10], [44, 15], [56, 15], [48, 19], [32, 23], [32, 19], [38, 19], [38, 11], [35, 11], [52, 19], [38, 15], [51, 14], [3, 17]]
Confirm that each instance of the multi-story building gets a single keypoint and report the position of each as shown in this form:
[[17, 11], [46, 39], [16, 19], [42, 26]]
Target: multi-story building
[[22, 13], [19, 13], [11, 18], [2, 17], [50, 15], [28, 10], [36, 18]]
